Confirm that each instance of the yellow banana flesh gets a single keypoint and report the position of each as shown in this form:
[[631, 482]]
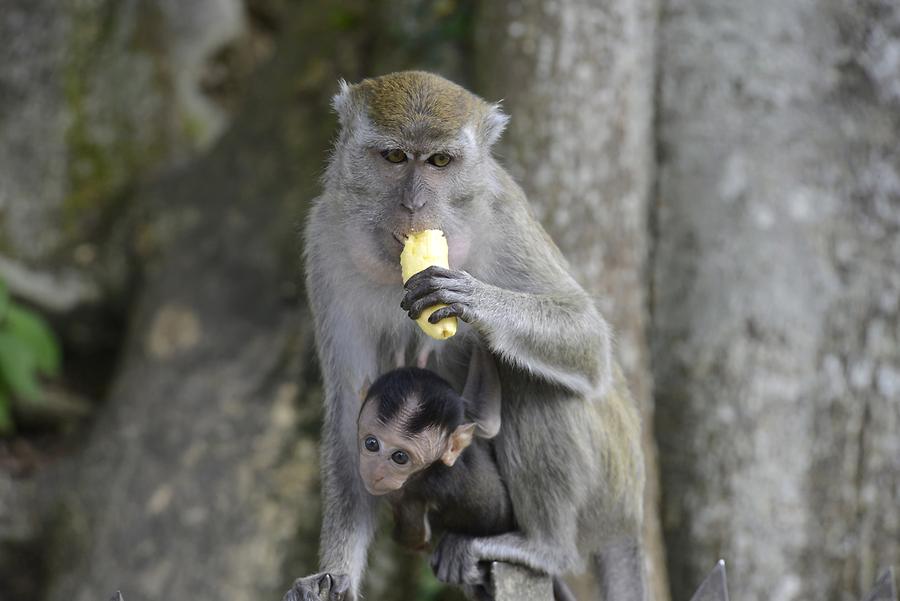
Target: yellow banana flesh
[[422, 250]]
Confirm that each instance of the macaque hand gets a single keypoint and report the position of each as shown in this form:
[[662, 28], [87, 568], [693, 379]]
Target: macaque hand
[[455, 561], [439, 285], [320, 587]]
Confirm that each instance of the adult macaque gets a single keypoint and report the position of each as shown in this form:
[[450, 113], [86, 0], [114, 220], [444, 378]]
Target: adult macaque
[[414, 153]]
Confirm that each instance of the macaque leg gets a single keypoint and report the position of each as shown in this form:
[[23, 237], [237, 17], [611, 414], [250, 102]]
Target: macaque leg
[[456, 558], [620, 571]]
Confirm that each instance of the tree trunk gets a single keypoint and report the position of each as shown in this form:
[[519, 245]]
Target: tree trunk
[[776, 277], [577, 79], [199, 479]]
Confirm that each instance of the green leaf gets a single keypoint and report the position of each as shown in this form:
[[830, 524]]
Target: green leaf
[[6, 419], [17, 367], [34, 333]]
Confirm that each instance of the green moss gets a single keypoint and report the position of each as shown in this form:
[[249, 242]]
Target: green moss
[[89, 173], [99, 170], [195, 130]]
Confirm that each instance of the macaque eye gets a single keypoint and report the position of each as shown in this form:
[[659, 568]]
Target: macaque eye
[[371, 444], [395, 155], [400, 457], [440, 159]]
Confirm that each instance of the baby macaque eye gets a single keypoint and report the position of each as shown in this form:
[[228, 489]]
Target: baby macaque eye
[[440, 159], [400, 457], [394, 155], [371, 444]]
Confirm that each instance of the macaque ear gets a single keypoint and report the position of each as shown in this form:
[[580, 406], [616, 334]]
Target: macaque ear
[[493, 124], [482, 393], [457, 443], [344, 103]]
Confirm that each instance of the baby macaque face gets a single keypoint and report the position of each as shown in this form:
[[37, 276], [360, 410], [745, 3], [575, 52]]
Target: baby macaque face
[[388, 455]]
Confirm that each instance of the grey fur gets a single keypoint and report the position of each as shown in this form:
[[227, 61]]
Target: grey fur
[[569, 447], [483, 393], [616, 563]]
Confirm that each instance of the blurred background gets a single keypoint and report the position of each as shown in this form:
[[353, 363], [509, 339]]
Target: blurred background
[[723, 175]]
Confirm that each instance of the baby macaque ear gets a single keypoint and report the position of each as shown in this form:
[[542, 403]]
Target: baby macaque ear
[[482, 393], [457, 443]]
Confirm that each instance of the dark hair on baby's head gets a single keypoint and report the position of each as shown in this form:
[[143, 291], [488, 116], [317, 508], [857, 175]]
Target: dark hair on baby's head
[[439, 405]]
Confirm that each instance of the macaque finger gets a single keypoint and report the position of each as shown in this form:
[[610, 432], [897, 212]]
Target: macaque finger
[[339, 586], [447, 287], [455, 310], [440, 565], [434, 271], [433, 561], [440, 297], [310, 588], [432, 285]]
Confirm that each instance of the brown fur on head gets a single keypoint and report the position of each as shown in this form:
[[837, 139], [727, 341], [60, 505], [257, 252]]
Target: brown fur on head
[[410, 104], [415, 102]]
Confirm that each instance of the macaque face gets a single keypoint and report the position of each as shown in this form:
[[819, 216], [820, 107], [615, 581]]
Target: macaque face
[[389, 456], [404, 187], [413, 154]]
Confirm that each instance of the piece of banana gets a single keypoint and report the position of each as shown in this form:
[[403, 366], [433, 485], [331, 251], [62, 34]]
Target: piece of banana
[[422, 250]]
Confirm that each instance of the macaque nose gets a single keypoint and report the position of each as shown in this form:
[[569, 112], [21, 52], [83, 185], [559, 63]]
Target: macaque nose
[[415, 194], [413, 201]]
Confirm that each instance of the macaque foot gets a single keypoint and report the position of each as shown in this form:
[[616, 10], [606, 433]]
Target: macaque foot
[[456, 561], [320, 587]]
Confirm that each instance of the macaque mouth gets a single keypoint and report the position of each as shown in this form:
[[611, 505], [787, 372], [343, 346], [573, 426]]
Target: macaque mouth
[[401, 236], [378, 491]]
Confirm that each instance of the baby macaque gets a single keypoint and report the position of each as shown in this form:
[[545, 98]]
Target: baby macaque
[[427, 448]]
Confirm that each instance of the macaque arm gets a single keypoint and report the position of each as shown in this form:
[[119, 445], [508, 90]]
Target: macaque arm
[[411, 527], [559, 337], [482, 393], [555, 333], [521, 297]]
